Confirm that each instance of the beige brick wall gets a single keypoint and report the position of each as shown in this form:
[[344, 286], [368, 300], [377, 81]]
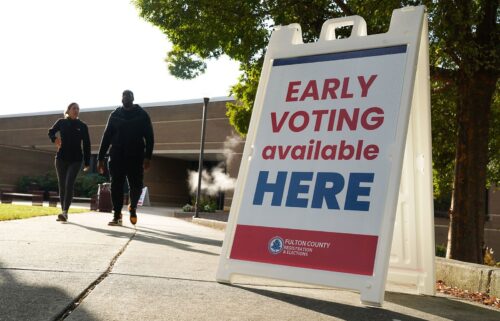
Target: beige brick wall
[[167, 181], [16, 162]]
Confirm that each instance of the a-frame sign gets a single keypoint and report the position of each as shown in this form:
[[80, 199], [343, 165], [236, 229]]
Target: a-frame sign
[[319, 182]]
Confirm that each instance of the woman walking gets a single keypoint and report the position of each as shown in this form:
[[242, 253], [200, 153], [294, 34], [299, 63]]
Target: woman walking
[[72, 133]]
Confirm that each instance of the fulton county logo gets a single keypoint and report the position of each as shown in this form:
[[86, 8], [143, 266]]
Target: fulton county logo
[[275, 245]]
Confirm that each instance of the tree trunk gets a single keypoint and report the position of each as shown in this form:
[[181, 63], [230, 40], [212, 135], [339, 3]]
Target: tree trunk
[[468, 205]]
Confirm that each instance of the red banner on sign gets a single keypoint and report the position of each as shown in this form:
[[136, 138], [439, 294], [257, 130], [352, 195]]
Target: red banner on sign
[[339, 252]]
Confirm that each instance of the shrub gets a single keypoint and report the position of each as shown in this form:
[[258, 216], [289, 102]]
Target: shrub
[[46, 182], [440, 250], [206, 204], [209, 207], [86, 185]]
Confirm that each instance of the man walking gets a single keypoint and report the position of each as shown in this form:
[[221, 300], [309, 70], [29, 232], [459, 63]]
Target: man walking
[[130, 133]]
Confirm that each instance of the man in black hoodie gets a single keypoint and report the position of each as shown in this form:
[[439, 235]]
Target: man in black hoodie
[[130, 134]]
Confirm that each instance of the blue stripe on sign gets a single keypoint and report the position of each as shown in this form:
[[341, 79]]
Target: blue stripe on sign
[[341, 55]]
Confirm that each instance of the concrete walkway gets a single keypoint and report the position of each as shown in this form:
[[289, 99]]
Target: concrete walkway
[[164, 269]]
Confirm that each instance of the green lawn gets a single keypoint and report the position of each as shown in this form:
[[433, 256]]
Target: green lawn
[[15, 212]]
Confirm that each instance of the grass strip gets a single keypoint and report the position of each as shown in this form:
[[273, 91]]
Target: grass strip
[[16, 212]]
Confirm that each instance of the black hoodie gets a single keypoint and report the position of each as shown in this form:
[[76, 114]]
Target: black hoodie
[[73, 132], [130, 134]]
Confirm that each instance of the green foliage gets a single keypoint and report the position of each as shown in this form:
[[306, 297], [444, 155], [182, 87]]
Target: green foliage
[[206, 204], [204, 29], [210, 208], [460, 45], [460, 40], [86, 185], [444, 136], [239, 113], [440, 250], [494, 141], [46, 182], [184, 65], [461, 36]]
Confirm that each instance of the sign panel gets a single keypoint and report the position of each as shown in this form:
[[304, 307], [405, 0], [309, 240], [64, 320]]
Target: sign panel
[[321, 162]]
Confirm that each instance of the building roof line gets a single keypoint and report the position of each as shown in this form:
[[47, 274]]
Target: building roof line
[[105, 108]]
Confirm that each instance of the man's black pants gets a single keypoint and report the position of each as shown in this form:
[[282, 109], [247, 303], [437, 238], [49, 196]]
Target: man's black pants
[[133, 171]]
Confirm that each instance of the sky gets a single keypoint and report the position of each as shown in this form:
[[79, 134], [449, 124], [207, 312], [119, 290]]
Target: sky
[[54, 52]]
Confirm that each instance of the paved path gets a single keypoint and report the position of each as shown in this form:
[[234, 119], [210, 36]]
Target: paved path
[[164, 270]]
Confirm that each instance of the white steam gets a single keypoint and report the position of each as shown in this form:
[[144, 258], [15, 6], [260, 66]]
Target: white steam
[[216, 180], [229, 147], [212, 182]]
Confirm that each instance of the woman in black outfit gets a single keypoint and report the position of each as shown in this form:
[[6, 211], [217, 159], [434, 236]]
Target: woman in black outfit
[[72, 132]]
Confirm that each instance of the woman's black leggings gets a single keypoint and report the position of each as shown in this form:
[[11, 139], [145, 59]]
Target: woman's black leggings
[[66, 176]]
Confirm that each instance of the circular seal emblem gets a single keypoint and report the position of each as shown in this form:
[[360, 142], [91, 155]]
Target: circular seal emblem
[[276, 245]]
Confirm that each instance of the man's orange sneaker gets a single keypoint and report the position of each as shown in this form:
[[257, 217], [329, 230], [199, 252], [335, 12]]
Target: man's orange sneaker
[[133, 215]]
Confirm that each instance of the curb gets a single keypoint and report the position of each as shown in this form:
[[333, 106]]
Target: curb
[[468, 276], [219, 225], [210, 223]]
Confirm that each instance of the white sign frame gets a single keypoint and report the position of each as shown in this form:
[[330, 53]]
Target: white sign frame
[[413, 245], [286, 42]]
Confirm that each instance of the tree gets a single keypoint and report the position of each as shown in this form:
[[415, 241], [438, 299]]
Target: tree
[[466, 36], [464, 63]]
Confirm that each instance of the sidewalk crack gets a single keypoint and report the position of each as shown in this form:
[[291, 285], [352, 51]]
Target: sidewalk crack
[[79, 299]]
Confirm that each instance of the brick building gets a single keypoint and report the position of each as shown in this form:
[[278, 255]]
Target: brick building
[[25, 148]]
